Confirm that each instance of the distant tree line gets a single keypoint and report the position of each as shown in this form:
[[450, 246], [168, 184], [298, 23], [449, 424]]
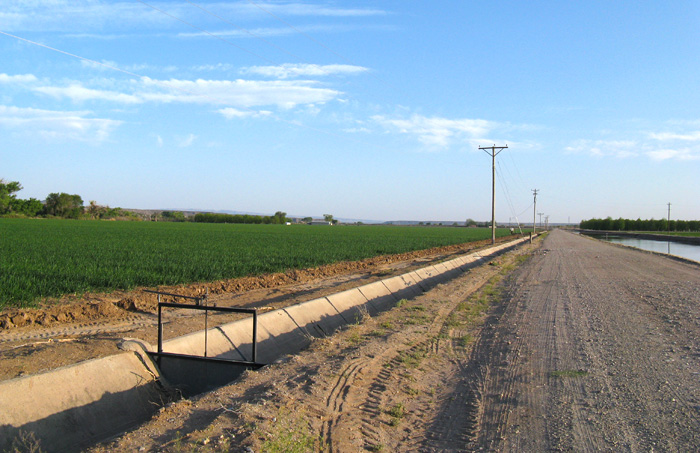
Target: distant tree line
[[610, 224], [63, 205], [279, 218], [71, 206]]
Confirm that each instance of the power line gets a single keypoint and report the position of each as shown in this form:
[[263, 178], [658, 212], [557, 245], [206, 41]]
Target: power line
[[506, 193]]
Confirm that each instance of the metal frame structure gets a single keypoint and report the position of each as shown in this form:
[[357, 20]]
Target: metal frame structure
[[198, 305]]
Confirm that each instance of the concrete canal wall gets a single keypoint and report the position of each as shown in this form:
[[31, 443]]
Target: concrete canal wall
[[79, 405]]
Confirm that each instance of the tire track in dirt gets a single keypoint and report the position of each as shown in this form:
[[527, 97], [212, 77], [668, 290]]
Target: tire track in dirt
[[336, 400], [395, 382], [82, 329], [592, 351]]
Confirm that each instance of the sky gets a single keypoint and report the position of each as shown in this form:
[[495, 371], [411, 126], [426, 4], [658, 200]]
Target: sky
[[368, 110]]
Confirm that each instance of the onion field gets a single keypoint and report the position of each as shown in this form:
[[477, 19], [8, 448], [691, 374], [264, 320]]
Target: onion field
[[49, 258]]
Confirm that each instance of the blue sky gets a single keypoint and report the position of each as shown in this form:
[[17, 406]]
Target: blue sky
[[366, 109]]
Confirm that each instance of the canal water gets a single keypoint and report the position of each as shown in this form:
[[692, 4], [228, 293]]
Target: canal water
[[689, 251]]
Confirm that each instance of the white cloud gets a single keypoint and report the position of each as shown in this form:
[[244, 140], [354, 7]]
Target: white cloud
[[234, 93], [439, 132], [57, 125], [215, 67], [84, 16], [187, 141], [304, 9], [22, 78], [679, 153], [231, 113], [285, 31], [239, 93], [601, 148], [76, 15], [681, 143], [297, 70], [693, 136], [78, 93]]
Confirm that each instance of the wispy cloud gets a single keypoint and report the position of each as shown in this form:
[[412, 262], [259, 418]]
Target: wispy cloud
[[57, 125], [78, 16], [185, 142], [306, 9], [676, 154], [136, 68], [225, 67], [21, 78], [238, 93], [680, 141], [231, 113], [439, 132], [602, 148], [235, 93], [79, 93], [288, 70], [271, 32], [693, 136]]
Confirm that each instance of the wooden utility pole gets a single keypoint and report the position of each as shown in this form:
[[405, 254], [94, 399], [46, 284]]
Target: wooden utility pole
[[669, 217], [534, 212], [493, 153]]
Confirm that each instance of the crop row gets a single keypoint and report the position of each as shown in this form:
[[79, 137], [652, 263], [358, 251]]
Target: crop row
[[49, 258]]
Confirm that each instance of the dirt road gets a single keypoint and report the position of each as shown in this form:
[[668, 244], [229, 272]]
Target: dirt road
[[596, 348]]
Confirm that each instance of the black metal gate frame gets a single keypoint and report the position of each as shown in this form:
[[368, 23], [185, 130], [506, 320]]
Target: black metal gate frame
[[206, 308]]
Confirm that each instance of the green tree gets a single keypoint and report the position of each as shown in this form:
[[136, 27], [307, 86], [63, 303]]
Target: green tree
[[328, 217], [173, 216], [30, 208], [280, 217], [7, 194], [64, 205]]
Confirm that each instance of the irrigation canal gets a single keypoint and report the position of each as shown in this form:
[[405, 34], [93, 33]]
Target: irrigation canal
[[670, 247]]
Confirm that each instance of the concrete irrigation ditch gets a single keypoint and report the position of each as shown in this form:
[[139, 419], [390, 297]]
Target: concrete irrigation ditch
[[76, 406]]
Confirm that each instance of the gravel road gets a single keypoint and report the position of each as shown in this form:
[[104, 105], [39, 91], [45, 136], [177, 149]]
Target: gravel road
[[595, 347]]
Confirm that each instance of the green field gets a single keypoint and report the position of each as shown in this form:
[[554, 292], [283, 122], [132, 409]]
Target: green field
[[49, 258]]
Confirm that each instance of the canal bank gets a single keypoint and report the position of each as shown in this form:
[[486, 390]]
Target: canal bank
[[694, 240], [675, 246]]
